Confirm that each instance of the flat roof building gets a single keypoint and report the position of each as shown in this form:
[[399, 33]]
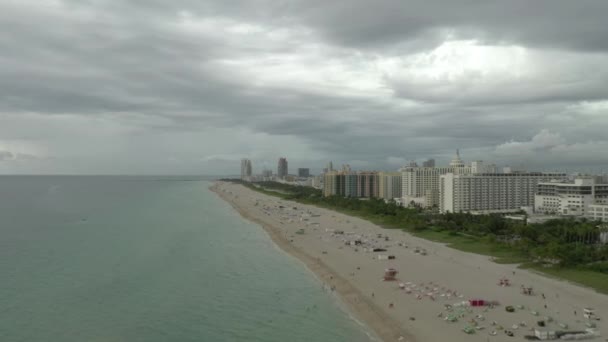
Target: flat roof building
[[282, 169], [303, 172], [581, 197], [490, 192]]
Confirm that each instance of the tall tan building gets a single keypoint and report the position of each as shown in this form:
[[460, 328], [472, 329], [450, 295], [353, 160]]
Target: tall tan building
[[420, 185], [350, 184], [367, 184], [389, 186]]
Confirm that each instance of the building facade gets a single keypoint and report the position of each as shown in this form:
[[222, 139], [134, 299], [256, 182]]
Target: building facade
[[303, 172], [420, 185], [597, 212], [490, 192], [367, 184], [282, 169], [246, 169], [389, 186], [346, 183], [479, 166], [581, 197]]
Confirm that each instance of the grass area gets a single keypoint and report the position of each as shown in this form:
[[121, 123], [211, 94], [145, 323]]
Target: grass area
[[592, 279], [501, 253]]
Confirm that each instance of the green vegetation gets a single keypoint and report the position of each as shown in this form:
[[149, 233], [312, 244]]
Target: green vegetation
[[565, 248]]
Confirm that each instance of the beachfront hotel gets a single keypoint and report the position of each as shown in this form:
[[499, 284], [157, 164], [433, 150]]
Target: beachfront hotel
[[491, 192], [584, 197], [420, 185], [346, 183]]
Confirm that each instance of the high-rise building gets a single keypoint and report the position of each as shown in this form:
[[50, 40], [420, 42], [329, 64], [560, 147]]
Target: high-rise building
[[246, 169], [303, 172], [490, 192], [389, 185], [429, 163], [350, 184], [367, 184], [420, 185], [282, 170]]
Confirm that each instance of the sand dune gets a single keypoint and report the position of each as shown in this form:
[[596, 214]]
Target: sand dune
[[415, 307]]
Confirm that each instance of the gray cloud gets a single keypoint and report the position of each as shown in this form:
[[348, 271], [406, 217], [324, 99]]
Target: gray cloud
[[193, 86], [546, 23]]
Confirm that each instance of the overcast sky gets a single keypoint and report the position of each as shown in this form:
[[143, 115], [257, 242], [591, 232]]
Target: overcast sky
[[193, 86]]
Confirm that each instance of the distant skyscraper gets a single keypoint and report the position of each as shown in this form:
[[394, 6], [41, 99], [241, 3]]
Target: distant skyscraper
[[303, 172], [330, 167], [429, 163], [282, 169], [246, 168]]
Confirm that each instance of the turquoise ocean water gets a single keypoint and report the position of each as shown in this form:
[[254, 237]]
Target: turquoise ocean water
[[149, 259]]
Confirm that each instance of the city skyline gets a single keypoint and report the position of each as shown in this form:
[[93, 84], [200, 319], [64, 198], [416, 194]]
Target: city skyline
[[456, 159], [191, 87]]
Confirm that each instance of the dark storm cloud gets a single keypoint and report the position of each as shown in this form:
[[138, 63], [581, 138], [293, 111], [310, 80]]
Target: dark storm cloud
[[154, 85], [577, 25]]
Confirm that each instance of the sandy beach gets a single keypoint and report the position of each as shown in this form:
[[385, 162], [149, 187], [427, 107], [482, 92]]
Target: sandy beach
[[426, 300]]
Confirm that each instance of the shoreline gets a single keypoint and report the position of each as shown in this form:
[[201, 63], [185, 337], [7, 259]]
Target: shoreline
[[364, 311], [430, 287]]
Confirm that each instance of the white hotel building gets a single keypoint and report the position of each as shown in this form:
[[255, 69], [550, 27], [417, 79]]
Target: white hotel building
[[583, 197], [490, 192], [420, 185]]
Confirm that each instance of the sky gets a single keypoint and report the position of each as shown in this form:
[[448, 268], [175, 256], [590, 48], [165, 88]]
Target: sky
[[191, 87]]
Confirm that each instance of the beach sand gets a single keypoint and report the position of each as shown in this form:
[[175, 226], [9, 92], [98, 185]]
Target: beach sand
[[443, 276]]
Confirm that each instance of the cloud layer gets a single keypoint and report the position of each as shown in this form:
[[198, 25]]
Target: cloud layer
[[193, 86]]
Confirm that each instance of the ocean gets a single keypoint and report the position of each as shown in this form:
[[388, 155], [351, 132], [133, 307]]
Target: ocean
[[149, 259]]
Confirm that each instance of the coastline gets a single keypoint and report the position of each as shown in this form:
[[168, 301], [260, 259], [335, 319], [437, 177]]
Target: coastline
[[364, 311], [415, 307]]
